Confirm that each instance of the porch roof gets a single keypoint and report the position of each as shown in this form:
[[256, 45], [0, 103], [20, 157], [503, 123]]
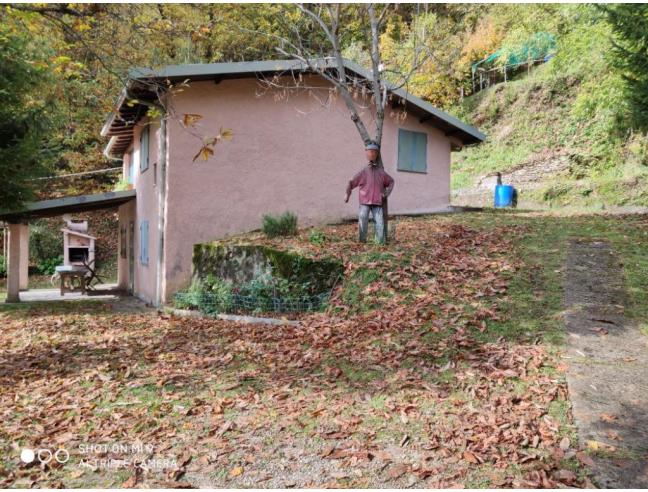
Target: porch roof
[[68, 204]]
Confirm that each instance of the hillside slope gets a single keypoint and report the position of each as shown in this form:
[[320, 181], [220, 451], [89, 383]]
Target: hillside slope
[[551, 137]]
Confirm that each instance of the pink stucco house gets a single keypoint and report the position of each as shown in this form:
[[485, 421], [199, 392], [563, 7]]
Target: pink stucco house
[[294, 152]]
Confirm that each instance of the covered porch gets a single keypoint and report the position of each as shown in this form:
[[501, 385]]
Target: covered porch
[[17, 224]]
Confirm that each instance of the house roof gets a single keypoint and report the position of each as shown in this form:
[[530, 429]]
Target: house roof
[[120, 124], [68, 204]]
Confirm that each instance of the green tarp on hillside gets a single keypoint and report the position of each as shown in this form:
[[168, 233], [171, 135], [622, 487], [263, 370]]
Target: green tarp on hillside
[[538, 46]]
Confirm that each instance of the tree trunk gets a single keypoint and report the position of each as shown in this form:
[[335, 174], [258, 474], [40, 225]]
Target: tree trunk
[[378, 89], [379, 99]]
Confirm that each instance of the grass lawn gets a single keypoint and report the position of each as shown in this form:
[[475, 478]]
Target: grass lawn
[[437, 364]]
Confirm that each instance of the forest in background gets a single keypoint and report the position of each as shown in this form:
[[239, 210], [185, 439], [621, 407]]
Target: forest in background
[[62, 66]]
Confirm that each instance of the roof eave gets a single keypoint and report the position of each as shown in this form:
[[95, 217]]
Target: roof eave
[[111, 117], [108, 149], [475, 136], [119, 127]]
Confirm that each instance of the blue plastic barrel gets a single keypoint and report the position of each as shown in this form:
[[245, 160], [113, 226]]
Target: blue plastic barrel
[[504, 196]]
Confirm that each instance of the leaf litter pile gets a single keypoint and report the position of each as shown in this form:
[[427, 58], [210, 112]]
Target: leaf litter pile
[[399, 383]]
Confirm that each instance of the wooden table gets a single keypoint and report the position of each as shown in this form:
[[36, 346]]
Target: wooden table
[[68, 274]]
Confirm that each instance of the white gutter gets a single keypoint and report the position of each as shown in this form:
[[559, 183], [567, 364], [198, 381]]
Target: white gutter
[[108, 149], [111, 117]]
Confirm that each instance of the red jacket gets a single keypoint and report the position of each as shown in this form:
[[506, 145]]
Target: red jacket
[[373, 182]]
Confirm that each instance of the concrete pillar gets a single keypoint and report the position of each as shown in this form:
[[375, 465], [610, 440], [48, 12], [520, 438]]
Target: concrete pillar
[[13, 264], [24, 256]]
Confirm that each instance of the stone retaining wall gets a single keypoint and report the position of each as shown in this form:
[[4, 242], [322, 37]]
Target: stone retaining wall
[[241, 263]]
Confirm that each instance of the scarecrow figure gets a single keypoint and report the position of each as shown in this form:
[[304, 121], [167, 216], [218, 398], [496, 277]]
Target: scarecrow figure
[[375, 184]]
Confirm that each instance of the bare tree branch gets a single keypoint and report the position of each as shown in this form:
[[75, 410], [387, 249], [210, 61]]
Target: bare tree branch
[[300, 42], [383, 14]]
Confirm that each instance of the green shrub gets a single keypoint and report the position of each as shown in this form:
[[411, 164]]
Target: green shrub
[[3, 269], [260, 290], [265, 286], [210, 295], [556, 191], [191, 298], [47, 266], [219, 295], [282, 225], [265, 293], [123, 185], [45, 241], [316, 237]]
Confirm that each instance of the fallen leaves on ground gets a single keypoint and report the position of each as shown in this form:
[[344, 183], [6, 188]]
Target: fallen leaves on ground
[[397, 389]]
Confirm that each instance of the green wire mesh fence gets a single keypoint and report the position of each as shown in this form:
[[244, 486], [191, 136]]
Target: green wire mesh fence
[[210, 303]]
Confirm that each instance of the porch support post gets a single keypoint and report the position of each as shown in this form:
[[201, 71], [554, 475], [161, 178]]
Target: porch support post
[[24, 256], [13, 264]]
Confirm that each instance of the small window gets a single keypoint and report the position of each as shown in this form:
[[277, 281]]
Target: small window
[[412, 151], [144, 242], [144, 149]]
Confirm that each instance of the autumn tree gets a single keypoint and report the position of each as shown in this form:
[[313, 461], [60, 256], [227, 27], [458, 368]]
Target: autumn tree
[[93, 46], [630, 56], [27, 114]]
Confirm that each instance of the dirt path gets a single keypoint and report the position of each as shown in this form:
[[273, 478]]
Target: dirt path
[[608, 367]]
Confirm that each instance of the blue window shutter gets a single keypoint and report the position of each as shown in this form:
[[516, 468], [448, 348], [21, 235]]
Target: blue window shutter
[[144, 242], [144, 149], [404, 150], [420, 152], [412, 151]]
